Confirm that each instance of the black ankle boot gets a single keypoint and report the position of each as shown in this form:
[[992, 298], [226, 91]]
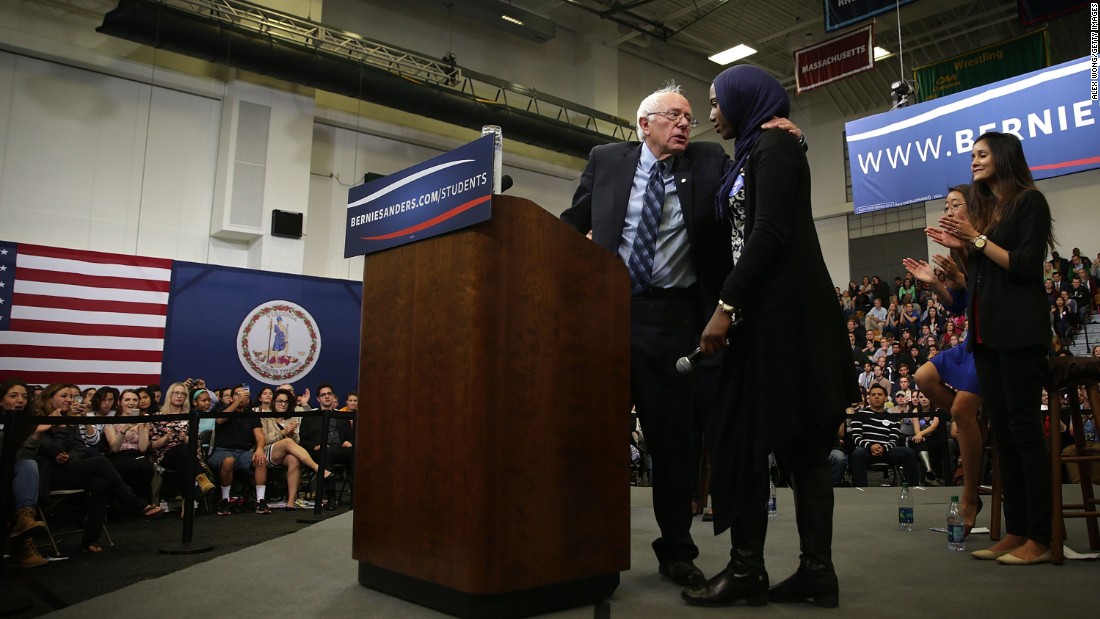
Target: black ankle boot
[[736, 582], [816, 584]]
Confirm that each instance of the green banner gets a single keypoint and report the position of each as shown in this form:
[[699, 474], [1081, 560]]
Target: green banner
[[989, 64]]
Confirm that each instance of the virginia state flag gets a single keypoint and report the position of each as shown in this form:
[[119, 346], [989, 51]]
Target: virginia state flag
[[230, 325]]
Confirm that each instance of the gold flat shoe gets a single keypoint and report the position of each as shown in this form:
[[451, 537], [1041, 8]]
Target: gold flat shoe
[[992, 555], [1011, 560]]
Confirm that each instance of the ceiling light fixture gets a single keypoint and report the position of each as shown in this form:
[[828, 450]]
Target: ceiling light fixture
[[732, 54], [881, 53], [512, 20]]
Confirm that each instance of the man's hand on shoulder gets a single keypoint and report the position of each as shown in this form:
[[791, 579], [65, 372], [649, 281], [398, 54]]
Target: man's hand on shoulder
[[786, 125]]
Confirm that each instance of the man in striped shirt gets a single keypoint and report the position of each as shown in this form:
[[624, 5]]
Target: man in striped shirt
[[877, 438]]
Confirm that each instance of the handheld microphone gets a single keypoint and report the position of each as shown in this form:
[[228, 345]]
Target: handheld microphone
[[686, 365]]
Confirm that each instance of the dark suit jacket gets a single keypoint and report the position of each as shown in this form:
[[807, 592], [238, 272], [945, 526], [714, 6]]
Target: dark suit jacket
[[312, 432], [600, 203], [1010, 306]]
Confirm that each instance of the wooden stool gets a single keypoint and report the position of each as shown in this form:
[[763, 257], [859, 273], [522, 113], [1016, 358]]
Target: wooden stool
[[1070, 373], [993, 491]]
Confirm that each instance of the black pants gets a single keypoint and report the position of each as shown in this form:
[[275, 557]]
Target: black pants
[[136, 469], [861, 459], [336, 454], [804, 464], [174, 461], [662, 331], [101, 481], [1012, 384]]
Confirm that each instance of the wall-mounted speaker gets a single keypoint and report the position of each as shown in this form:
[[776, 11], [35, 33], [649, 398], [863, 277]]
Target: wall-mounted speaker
[[286, 224]]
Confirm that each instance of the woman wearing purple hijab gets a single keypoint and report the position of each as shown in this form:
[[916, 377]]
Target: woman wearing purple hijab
[[766, 198]]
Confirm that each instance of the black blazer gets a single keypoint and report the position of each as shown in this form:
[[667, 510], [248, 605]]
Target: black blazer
[[312, 432], [600, 204], [1009, 307]]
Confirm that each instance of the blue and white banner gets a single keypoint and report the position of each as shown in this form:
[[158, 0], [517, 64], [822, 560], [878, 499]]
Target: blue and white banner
[[449, 192], [841, 13], [915, 153]]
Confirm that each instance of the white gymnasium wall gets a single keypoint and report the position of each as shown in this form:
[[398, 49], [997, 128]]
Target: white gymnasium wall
[[98, 162]]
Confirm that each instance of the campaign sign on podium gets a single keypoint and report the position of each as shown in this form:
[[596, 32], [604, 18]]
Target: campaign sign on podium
[[450, 192]]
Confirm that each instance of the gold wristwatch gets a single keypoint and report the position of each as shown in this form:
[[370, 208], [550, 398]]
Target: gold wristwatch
[[980, 241]]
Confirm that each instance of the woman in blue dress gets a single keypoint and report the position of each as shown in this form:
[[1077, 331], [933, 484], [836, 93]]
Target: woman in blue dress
[[949, 379]]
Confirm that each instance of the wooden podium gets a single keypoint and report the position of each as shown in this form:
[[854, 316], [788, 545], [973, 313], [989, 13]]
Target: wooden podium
[[492, 469]]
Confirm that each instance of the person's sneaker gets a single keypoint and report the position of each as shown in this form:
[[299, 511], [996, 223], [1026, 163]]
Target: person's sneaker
[[262, 508], [225, 507]]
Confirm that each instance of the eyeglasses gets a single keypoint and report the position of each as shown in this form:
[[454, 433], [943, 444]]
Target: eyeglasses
[[676, 115], [179, 393], [953, 206], [282, 401]]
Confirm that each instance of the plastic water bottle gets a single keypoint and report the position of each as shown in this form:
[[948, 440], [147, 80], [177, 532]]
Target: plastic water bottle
[[772, 506], [498, 153], [956, 540], [905, 509]]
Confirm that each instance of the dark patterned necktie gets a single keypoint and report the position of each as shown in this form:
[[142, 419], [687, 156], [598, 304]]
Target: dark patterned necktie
[[640, 264]]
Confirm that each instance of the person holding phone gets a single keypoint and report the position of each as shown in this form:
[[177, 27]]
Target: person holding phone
[[104, 403], [281, 440], [168, 444], [74, 465], [238, 444], [128, 444]]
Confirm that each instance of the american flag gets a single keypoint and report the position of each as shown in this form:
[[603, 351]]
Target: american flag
[[81, 317]]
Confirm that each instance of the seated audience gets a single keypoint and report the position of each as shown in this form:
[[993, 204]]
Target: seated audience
[[263, 400], [838, 459], [127, 444], [147, 402], [1081, 296], [25, 480], [74, 465], [1062, 319], [929, 438], [876, 317], [876, 438], [338, 437], [238, 444], [281, 445], [1092, 447], [859, 332], [103, 403], [169, 442]]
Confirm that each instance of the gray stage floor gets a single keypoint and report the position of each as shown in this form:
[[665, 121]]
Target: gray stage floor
[[883, 573]]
